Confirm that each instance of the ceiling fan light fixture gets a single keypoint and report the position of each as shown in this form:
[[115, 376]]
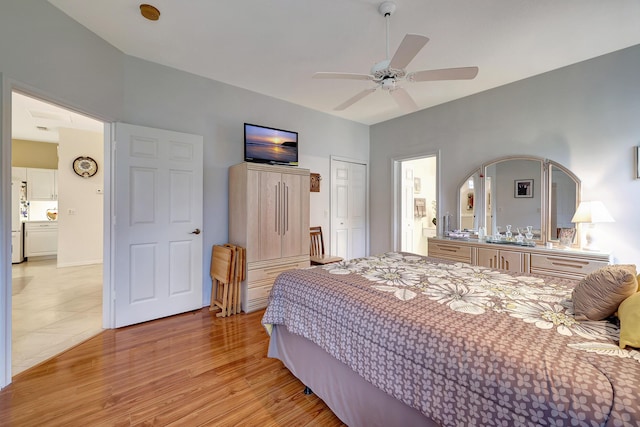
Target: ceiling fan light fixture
[[389, 73], [149, 12], [389, 83]]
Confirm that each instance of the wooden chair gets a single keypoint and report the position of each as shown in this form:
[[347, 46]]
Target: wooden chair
[[316, 252]]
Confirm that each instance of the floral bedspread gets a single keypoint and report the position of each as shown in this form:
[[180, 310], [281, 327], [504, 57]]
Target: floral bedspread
[[466, 345]]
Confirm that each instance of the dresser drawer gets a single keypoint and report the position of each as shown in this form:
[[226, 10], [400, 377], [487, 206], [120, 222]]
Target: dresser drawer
[[450, 250], [564, 266], [271, 272]]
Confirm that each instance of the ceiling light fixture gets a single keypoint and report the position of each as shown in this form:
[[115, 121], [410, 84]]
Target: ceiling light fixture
[[149, 12]]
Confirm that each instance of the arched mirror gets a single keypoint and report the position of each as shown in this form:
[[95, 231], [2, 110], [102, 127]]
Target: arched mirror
[[469, 199], [521, 191], [514, 190], [564, 197]]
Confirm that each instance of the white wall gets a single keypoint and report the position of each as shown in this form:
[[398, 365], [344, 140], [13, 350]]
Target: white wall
[[163, 97], [584, 117], [80, 200], [43, 49]]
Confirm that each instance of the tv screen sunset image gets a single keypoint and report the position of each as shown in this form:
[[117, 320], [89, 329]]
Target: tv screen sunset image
[[266, 144]]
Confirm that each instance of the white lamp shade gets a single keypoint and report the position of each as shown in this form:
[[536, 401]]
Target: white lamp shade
[[592, 212]]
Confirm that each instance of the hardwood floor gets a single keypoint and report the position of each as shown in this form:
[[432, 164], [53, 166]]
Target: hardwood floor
[[191, 369]]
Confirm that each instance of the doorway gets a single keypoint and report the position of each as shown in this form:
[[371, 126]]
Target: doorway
[[57, 265], [416, 184]]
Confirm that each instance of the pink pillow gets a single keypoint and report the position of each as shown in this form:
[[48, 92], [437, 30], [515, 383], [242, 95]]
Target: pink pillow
[[598, 295]]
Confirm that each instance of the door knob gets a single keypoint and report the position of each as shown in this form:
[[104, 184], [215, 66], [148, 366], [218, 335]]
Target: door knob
[[196, 231]]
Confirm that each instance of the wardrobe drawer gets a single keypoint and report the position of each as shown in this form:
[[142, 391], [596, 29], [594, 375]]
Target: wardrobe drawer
[[271, 272]]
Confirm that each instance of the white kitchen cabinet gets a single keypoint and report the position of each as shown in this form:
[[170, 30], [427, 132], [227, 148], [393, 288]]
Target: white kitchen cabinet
[[42, 184], [41, 238], [18, 174], [16, 247]]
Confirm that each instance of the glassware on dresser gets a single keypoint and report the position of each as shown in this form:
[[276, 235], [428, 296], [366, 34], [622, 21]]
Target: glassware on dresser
[[529, 235]]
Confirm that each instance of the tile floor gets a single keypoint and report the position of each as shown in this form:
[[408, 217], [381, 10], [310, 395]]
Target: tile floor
[[53, 309]]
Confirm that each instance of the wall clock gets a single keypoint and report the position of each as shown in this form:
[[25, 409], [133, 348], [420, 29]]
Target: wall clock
[[85, 167]]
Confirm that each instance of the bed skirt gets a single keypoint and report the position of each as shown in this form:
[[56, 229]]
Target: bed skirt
[[351, 398]]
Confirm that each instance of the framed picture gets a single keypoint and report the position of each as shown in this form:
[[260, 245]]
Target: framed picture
[[417, 185], [637, 161], [314, 186], [523, 188]]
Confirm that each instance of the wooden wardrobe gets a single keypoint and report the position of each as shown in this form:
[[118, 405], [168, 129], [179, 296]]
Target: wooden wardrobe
[[269, 216]]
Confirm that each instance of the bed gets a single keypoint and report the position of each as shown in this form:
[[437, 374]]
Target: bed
[[401, 339]]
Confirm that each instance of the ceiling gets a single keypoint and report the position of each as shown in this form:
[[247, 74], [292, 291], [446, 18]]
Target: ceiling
[[274, 47], [36, 120]]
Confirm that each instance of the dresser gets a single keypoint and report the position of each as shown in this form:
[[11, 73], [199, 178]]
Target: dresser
[[269, 216], [566, 263]]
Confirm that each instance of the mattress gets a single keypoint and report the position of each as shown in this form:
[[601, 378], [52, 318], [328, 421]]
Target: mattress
[[462, 344]]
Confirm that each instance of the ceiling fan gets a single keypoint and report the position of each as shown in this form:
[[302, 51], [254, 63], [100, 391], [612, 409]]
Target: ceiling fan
[[386, 74]]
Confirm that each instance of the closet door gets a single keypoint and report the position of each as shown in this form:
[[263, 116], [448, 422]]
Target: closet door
[[269, 210], [295, 215], [348, 209]]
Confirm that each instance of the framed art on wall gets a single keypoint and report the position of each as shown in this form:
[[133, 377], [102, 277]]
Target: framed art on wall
[[417, 185], [523, 188]]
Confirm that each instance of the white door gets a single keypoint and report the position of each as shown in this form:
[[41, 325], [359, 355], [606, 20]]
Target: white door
[[406, 236], [348, 209], [158, 217]]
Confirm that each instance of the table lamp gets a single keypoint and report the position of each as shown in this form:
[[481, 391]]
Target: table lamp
[[591, 213]]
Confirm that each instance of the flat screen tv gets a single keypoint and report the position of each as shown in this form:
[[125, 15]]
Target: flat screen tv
[[269, 145]]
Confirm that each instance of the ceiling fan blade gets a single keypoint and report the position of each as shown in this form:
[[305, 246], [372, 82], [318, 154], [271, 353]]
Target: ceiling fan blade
[[408, 49], [403, 99], [349, 76], [354, 99], [464, 73]]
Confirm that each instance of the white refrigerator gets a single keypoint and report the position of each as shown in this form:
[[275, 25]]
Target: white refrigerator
[[18, 204]]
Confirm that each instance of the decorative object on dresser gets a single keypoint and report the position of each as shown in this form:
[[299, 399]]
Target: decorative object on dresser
[[591, 212], [269, 216], [566, 236], [316, 250]]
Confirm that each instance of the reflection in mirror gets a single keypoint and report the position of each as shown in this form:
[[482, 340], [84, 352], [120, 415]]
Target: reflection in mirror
[[513, 193], [564, 189], [521, 191], [468, 220]]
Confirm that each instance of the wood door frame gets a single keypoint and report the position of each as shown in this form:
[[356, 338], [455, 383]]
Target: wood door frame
[[396, 192], [7, 87]]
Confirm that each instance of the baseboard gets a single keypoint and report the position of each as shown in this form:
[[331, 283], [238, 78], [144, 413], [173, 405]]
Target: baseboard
[[79, 264]]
